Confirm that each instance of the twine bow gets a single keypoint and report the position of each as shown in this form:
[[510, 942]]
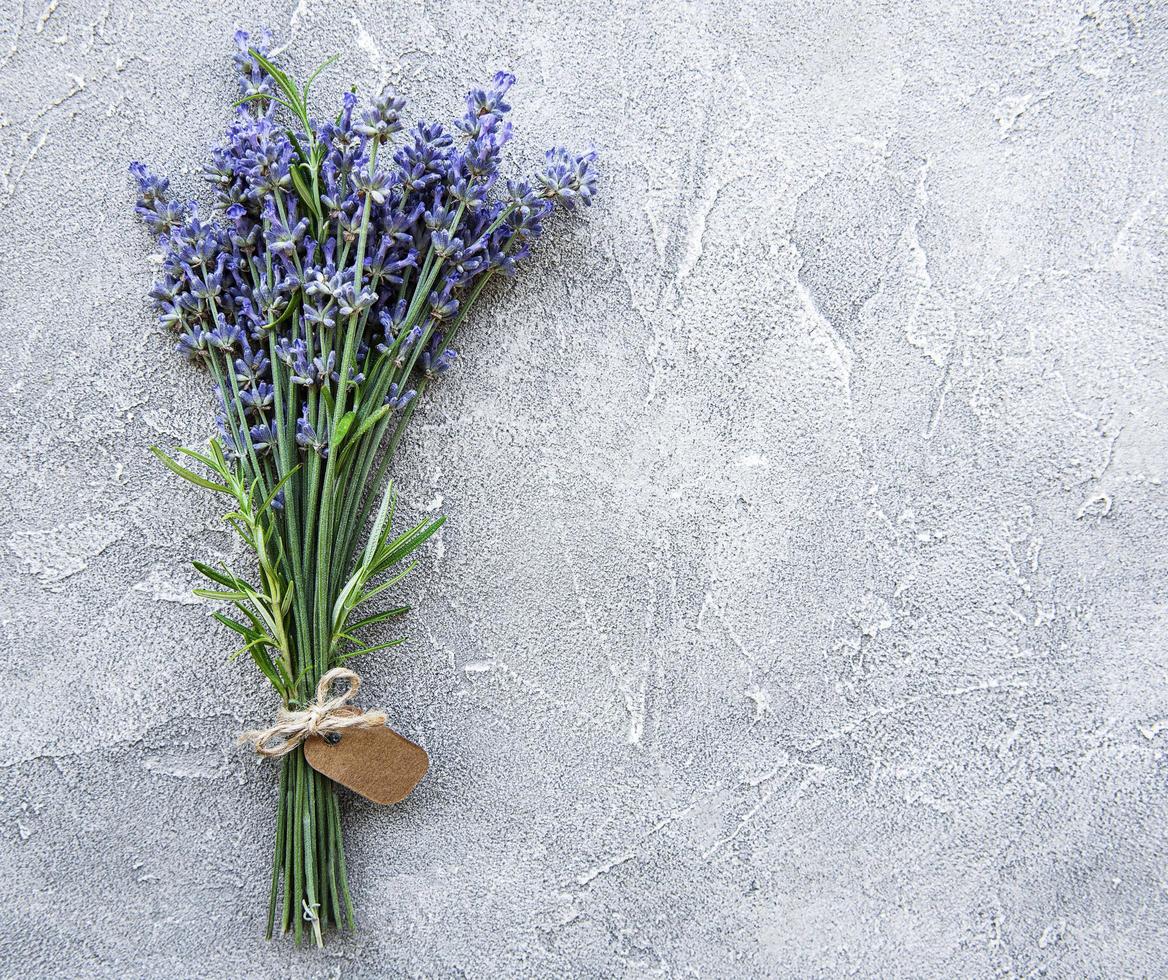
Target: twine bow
[[319, 717]]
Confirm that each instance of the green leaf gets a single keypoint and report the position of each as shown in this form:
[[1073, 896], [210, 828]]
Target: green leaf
[[217, 452], [380, 525], [205, 460], [186, 474], [378, 618], [342, 430], [287, 86], [238, 523], [313, 77], [381, 646], [371, 421], [252, 617], [266, 665], [260, 95], [353, 442], [343, 604], [387, 584], [276, 489], [407, 544], [278, 75], [287, 311], [304, 189], [234, 624], [289, 684], [233, 596], [221, 578], [295, 141]]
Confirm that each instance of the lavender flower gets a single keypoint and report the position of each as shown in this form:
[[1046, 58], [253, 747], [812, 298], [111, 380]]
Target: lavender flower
[[567, 179], [437, 364], [383, 119], [397, 402], [306, 437], [262, 437], [284, 239]]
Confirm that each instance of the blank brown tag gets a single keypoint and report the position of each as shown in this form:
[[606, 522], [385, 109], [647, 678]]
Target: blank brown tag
[[378, 763]]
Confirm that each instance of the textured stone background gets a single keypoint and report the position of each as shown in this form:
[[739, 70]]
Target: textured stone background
[[802, 608]]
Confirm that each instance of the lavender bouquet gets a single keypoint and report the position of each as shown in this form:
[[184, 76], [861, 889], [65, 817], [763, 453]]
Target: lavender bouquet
[[323, 292]]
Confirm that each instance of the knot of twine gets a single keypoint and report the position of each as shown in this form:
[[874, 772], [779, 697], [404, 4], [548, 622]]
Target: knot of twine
[[319, 717]]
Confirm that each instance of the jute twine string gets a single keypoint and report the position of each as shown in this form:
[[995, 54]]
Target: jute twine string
[[319, 717]]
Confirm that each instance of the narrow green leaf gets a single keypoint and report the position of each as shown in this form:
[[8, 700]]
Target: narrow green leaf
[[342, 606], [186, 474], [238, 627], [295, 141], [368, 424], [377, 532], [387, 584], [278, 76], [265, 664], [276, 489], [283, 673], [288, 87], [205, 460], [342, 430], [251, 617], [373, 649], [240, 526], [267, 98], [378, 618], [284, 314], [316, 74], [222, 578], [304, 190], [408, 543], [216, 594]]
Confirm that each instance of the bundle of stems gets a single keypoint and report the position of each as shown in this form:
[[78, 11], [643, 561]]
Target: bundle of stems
[[323, 291]]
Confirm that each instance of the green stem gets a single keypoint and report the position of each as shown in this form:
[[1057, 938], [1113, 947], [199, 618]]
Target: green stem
[[298, 850], [308, 816], [338, 843], [278, 856], [330, 899], [289, 809]]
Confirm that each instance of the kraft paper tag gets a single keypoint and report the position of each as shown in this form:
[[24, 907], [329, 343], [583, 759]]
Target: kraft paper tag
[[378, 763]]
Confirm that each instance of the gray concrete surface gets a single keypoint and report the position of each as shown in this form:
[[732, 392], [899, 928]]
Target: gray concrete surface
[[802, 606]]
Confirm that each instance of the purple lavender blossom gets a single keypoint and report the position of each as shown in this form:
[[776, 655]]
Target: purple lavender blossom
[[306, 437], [397, 402], [436, 364], [567, 179]]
